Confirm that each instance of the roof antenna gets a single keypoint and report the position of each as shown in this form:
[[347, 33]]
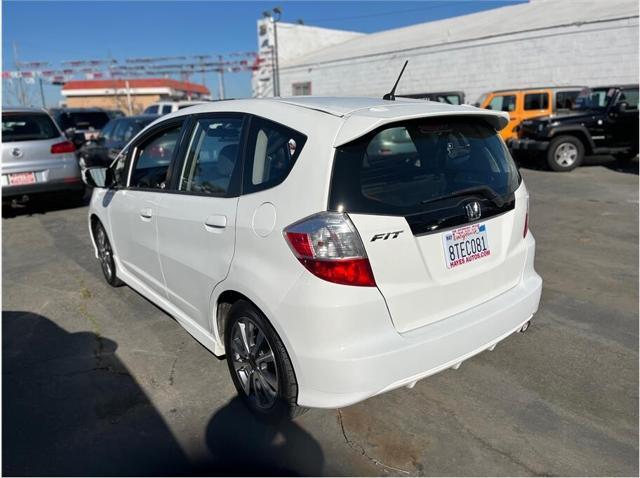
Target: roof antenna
[[391, 96]]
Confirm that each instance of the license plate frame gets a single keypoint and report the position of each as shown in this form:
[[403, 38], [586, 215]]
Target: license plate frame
[[465, 245], [19, 179]]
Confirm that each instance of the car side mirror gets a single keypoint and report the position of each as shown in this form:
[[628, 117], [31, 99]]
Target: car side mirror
[[96, 177], [622, 106]]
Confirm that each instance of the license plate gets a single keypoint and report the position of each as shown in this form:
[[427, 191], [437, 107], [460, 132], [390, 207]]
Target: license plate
[[465, 244], [16, 179]]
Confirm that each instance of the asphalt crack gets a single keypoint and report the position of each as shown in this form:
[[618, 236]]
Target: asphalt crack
[[85, 296], [360, 449], [173, 364]]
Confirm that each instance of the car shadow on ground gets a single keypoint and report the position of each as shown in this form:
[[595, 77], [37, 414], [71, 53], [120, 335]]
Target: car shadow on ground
[[242, 444], [42, 204], [71, 407], [629, 166]]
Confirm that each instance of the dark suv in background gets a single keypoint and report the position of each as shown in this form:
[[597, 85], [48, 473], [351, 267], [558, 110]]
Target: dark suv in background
[[448, 97], [80, 124], [101, 151], [604, 121]]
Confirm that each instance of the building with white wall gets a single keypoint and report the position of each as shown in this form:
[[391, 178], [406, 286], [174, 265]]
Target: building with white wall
[[540, 43]]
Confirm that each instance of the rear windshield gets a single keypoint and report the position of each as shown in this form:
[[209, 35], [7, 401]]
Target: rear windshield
[[407, 167], [83, 120], [27, 127]]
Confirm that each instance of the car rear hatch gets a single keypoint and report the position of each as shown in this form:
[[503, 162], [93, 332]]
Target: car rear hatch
[[442, 219], [31, 144]]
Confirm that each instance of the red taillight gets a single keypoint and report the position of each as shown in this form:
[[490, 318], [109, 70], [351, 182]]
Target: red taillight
[[330, 248], [300, 243], [64, 147], [342, 271]]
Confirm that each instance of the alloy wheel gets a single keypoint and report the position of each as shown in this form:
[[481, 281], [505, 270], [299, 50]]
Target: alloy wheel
[[104, 252], [566, 154], [254, 363]]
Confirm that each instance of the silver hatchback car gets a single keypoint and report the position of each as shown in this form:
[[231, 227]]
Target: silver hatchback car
[[36, 156]]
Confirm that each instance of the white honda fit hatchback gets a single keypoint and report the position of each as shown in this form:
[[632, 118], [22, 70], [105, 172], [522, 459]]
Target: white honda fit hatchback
[[332, 248]]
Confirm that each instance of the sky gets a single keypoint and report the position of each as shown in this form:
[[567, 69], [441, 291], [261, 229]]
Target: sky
[[55, 31]]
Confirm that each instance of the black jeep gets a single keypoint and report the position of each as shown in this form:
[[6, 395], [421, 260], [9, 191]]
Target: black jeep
[[604, 121]]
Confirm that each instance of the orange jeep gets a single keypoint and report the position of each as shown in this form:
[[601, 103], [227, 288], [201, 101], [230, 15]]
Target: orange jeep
[[529, 103]]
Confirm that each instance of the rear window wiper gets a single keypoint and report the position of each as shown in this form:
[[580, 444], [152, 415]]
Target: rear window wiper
[[485, 191]]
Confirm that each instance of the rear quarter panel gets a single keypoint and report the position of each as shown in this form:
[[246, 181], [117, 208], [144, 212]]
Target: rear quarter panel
[[263, 267]]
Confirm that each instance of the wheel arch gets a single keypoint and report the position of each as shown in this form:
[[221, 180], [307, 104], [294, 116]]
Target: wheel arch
[[221, 305], [579, 132]]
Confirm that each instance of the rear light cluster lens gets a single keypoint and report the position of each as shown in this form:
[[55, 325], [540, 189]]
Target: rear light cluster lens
[[64, 147], [328, 245]]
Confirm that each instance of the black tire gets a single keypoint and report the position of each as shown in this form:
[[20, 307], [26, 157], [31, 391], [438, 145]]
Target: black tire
[[245, 315], [565, 153], [105, 255]]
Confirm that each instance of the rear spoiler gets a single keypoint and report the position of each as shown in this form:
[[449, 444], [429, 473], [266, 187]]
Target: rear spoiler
[[364, 121]]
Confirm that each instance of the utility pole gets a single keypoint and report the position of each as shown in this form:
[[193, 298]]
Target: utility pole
[[126, 82], [44, 103], [278, 12], [273, 71], [114, 82], [220, 79], [22, 95]]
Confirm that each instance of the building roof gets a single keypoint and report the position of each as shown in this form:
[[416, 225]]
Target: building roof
[[515, 19], [185, 86]]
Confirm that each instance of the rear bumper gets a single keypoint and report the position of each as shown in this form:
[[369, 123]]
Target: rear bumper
[[70, 185], [384, 360], [52, 175], [526, 144]]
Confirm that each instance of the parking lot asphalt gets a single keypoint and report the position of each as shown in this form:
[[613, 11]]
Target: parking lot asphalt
[[99, 381]]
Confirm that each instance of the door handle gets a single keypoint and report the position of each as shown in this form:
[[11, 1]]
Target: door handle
[[215, 222], [146, 213]]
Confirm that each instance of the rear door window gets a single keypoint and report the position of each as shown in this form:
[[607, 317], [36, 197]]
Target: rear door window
[[166, 109], [211, 165], [566, 100], [272, 152], [409, 167], [536, 101], [27, 127]]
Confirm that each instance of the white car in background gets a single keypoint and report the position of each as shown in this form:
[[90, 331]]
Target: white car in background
[[327, 271], [166, 107]]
